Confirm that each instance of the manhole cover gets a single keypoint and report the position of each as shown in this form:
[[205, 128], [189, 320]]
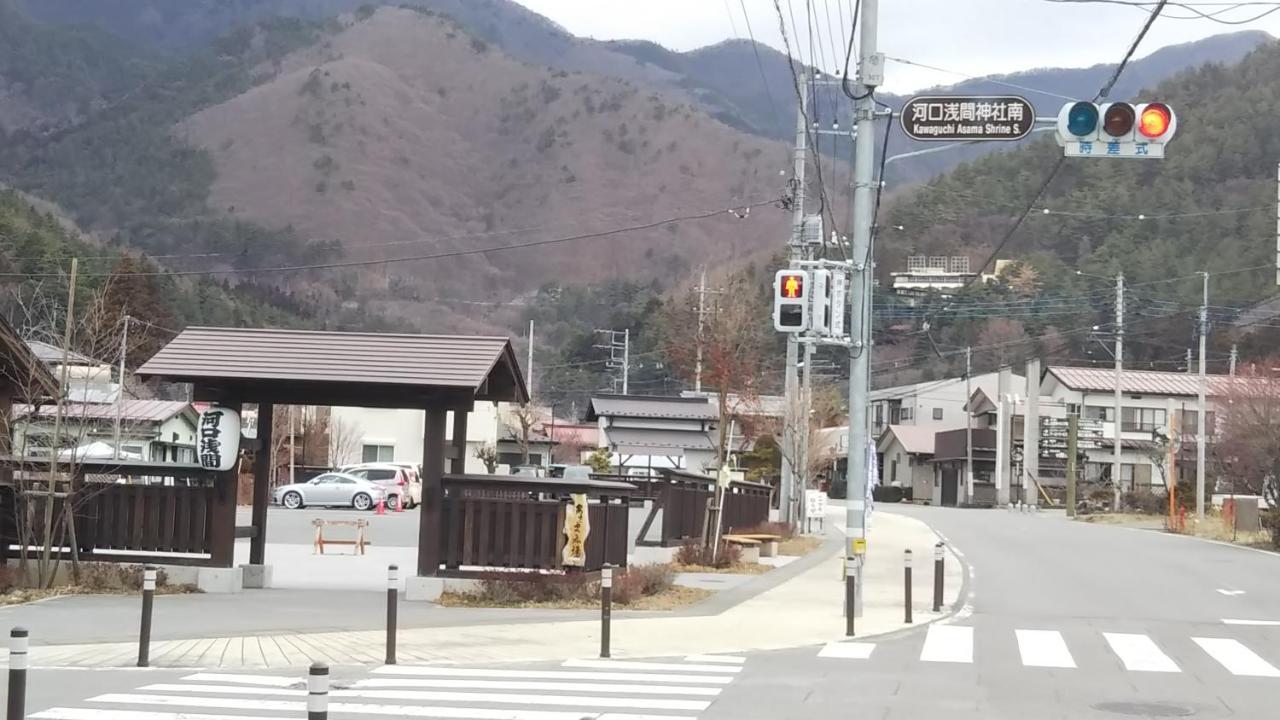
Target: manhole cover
[[1147, 710]]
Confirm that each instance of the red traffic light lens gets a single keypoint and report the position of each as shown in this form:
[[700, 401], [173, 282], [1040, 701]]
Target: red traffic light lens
[[1155, 121], [791, 287], [1118, 119]]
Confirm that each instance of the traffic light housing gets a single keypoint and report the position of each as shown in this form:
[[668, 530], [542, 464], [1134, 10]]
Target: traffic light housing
[[1115, 129], [791, 301]]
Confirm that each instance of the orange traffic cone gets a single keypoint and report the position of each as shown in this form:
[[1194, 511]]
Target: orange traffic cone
[[400, 504], [382, 506]]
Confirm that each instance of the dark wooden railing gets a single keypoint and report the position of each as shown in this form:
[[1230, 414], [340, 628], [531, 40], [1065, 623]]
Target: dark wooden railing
[[746, 505], [514, 523], [174, 514], [682, 499]]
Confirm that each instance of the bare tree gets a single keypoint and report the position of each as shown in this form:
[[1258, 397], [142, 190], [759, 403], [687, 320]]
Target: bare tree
[[1247, 436], [523, 419], [344, 441], [568, 446], [488, 454]]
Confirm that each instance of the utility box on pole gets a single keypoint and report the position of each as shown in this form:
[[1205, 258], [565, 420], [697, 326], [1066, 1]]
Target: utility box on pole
[[820, 302]]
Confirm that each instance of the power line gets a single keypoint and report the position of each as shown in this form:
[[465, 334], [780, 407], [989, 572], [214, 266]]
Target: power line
[[755, 49], [991, 80], [738, 211]]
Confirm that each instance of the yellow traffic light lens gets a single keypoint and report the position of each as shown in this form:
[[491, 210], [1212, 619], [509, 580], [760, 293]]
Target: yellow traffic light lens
[[1155, 120]]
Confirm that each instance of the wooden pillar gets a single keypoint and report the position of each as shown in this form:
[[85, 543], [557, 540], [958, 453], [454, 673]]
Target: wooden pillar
[[458, 465], [431, 515], [222, 516], [262, 462]]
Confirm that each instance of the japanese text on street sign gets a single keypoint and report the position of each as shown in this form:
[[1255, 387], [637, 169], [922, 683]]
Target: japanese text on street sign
[[576, 528], [1114, 148], [987, 117]]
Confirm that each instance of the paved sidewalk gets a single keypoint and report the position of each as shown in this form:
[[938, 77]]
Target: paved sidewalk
[[804, 610]]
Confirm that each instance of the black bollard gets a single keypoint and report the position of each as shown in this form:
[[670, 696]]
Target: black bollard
[[18, 641], [606, 607], [938, 569], [148, 600], [393, 587], [906, 587]]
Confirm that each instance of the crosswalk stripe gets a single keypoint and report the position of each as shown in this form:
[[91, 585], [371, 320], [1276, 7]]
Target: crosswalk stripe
[[1044, 648], [633, 665], [446, 696], [61, 713], [436, 671], [295, 708], [267, 680], [948, 643], [1139, 653], [537, 685], [847, 650], [1236, 658], [726, 659]]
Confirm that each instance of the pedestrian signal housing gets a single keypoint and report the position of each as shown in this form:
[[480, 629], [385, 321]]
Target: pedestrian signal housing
[[791, 301]]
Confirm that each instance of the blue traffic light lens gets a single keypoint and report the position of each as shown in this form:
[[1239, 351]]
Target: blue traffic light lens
[[1082, 119]]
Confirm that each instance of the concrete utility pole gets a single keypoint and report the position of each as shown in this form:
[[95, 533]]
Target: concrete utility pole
[[1004, 383], [702, 309], [626, 361], [1188, 361], [1235, 356], [1031, 436], [795, 250], [870, 75], [529, 370], [124, 349], [1073, 431], [968, 424], [1201, 409], [1118, 420]]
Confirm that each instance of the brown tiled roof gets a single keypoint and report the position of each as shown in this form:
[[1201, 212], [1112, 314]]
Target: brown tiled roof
[[649, 406], [19, 365], [1133, 382], [418, 361]]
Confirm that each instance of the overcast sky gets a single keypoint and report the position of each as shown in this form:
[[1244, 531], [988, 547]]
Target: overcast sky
[[975, 37]]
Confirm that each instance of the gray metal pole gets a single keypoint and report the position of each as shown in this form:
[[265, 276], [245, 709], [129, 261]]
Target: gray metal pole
[[1201, 409], [1118, 420], [968, 425], [148, 600], [606, 608], [18, 642], [906, 586], [791, 380], [860, 292], [393, 587]]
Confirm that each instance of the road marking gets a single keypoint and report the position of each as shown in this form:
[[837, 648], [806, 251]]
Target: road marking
[[1230, 593], [537, 685], [1267, 623], [948, 643], [296, 708], [283, 681], [726, 659], [447, 696], [632, 665], [1044, 648], [847, 650], [1139, 653], [425, 670], [1236, 658], [100, 714]]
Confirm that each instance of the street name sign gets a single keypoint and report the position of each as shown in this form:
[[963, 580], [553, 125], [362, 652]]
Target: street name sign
[[976, 117]]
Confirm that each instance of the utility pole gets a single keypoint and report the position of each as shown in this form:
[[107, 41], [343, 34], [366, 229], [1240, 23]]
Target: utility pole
[[293, 448], [1188, 361], [626, 361], [870, 75], [968, 424], [51, 485], [1235, 356], [1201, 429], [1117, 422], [702, 309], [124, 349], [1073, 432], [615, 362], [795, 251], [529, 370]]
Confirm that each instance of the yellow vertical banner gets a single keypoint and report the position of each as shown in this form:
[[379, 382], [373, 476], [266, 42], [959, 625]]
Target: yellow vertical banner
[[577, 526]]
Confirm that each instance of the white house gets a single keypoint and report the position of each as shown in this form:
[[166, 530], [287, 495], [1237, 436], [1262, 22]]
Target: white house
[[906, 451], [938, 404], [1150, 402], [158, 430]]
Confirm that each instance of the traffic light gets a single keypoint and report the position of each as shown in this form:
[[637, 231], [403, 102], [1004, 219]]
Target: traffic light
[[1117, 129], [791, 301]]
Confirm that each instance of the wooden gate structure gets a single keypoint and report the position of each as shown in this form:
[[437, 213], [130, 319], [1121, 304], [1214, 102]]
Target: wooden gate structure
[[682, 498]]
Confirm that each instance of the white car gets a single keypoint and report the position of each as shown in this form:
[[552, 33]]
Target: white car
[[399, 480], [331, 490]]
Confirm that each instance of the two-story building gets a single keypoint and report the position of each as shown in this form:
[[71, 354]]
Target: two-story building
[[939, 404]]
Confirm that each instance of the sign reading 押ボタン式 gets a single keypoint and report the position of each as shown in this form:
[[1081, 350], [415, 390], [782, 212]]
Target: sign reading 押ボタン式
[[218, 438], [981, 117], [576, 528]]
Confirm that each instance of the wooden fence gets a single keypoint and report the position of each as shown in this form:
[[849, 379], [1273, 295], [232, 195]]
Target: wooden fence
[[682, 499], [512, 523]]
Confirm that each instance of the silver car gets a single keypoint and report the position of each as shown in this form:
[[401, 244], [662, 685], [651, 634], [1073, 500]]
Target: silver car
[[331, 490]]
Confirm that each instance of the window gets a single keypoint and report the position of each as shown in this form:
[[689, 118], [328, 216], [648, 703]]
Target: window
[[1073, 409], [905, 414], [378, 453], [1102, 414], [937, 413], [1189, 425], [1142, 419], [879, 414]]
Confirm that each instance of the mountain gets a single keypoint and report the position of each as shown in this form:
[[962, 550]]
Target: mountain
[[1218, 181]]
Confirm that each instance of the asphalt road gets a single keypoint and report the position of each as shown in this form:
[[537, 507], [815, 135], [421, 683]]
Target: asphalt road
[[294, 527], [1065, 621]]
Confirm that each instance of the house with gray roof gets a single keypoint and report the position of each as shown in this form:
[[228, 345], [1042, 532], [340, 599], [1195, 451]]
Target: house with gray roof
[[649, 432]]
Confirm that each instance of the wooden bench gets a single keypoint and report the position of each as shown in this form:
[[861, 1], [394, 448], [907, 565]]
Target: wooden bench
[[358, 542], [749, 548], [768, 543]]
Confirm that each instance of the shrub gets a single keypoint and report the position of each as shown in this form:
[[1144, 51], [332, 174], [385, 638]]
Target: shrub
[[1271, 523], [642, 581], [692, 552], [1145, 502]]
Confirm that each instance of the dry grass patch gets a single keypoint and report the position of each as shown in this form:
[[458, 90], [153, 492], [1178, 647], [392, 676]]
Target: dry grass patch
[[642, 587]]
